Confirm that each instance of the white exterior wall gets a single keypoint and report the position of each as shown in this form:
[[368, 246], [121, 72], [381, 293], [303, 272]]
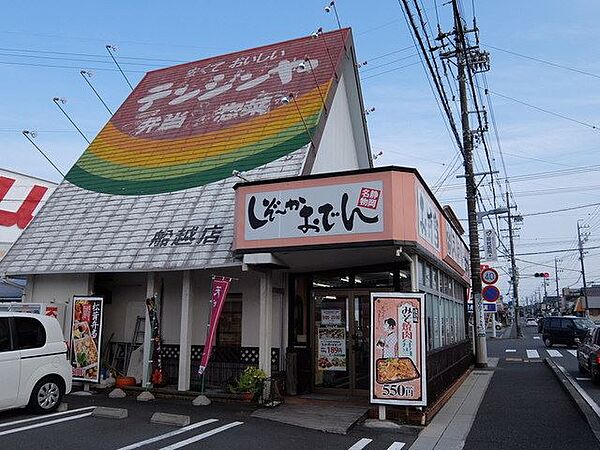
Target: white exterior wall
[[58, 289], [337, 149]]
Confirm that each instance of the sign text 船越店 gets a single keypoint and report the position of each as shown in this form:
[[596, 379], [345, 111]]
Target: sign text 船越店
[[86, 334], [315, 211], [398, 368]]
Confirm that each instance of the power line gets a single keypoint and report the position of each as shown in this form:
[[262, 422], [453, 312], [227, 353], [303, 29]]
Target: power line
[[556, 251], [390, 70], [539, 213], [544, 61], [552, 113]]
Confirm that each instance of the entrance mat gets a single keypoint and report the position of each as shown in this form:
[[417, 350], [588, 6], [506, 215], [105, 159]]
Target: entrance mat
[[331, 419]]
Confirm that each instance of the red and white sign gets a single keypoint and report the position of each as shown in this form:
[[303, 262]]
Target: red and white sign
[[220, 287], [489, 275], [21, 197]]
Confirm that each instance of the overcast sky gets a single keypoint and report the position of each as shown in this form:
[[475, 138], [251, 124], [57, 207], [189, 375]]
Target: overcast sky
[[45, 44]]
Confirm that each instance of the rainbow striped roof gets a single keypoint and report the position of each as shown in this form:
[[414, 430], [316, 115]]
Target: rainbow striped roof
[[192, 124], [154, 190]]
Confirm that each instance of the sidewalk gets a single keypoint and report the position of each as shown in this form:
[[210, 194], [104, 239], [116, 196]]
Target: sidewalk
[[449, 428]]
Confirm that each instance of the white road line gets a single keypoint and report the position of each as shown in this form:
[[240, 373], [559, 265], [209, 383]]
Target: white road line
[[44, 424], [510, 350], [202, 436], [581, 391], [554, 353], [537, 337], [168, 435], [583, 379], [41, 418], [533, 354], [573, 352], [362, 443], [396, 446]]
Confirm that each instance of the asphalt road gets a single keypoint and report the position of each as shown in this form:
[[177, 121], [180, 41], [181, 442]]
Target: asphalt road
[[218, 426], [531, 347]]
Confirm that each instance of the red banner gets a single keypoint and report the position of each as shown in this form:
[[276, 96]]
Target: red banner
[[220, 287]]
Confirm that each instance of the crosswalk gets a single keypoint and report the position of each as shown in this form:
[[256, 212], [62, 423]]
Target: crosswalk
[[512, 353], [363, 442]]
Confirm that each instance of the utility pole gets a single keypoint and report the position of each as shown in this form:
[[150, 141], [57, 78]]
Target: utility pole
[[581, 252], [471, 188], [513, 263], [556, 276]]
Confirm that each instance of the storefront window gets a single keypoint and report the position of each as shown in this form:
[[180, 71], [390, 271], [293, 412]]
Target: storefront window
[[331, 281], [229, 333], [374, 279]]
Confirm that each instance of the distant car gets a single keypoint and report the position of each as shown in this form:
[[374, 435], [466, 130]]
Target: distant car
[[531, 322], [568, 330], [34, 368], [588, 354]]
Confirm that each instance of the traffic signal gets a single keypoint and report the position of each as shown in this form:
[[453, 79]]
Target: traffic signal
[[541, 275]]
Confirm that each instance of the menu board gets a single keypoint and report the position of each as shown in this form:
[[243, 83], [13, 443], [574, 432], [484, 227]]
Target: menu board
[[86, 332], [398, 368], [332, 348], [331, 317]]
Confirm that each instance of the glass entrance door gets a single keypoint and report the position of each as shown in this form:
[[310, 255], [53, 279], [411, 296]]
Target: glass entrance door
[[330, 337], [341, 340]]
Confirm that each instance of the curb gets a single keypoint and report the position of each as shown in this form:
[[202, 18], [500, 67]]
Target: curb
[[587, 407]]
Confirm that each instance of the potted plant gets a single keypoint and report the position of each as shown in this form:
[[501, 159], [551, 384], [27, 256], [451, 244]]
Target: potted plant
[[249, 383]]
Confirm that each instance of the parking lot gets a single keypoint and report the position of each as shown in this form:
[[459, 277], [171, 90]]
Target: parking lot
[[216, 426]]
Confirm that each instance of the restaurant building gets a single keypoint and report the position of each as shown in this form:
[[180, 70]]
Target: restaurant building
[[254, 165]]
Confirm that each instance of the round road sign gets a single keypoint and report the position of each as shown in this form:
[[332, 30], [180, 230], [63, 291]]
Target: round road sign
[[489, 275], [490, 293]]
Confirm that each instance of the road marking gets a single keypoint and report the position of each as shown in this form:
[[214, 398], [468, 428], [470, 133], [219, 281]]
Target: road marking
[[573, 352], [533, 354], [581, 391], [168, 435], [45, 424], [396, 446], [554, 353], [201, 436], [537, 337], [33, 419], [510, 350], [583, 379], [362, 444], [514, 359]]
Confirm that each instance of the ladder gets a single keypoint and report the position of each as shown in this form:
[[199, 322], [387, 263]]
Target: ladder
[[137, 339]]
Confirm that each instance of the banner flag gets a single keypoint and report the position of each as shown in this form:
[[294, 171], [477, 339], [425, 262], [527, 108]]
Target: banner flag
[[219, 289]]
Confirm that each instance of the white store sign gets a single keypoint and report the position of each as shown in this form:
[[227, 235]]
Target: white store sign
[[489, 245], [315, 211]]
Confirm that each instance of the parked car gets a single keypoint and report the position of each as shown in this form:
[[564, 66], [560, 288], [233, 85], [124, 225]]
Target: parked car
[[568, 330], [588, 354], [531, 322], [34, 368]]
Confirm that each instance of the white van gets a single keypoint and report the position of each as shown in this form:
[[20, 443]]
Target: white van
[[34, 369]]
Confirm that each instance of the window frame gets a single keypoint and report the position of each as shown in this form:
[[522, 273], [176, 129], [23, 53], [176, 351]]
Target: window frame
[[10, 335], [16, 345]]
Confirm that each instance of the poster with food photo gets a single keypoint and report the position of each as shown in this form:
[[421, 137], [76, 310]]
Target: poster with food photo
[[332, 348], [398, 369], [86, 332]]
